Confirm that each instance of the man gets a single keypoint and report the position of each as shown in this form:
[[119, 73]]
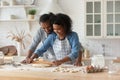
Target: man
[[42, 33]]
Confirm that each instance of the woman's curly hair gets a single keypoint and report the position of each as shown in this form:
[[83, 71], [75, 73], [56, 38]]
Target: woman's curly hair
[[63, 20]]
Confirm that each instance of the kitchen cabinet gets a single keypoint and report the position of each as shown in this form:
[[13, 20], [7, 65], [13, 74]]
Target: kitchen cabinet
[[102, 18]]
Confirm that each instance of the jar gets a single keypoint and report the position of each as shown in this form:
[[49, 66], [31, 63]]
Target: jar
[[113, 68], [98, 61], [1, 57]]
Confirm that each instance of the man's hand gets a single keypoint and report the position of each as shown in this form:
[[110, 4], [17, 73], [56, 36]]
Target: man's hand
[[30, 60], [27, 61]]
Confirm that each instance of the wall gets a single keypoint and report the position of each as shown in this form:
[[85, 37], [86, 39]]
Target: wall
[[75, 9]]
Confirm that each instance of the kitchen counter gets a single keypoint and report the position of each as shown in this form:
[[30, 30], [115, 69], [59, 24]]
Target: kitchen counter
[[43, 75], [28, 72]]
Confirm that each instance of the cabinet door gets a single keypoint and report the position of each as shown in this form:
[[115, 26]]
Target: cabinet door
[[93, 19], [113, 18]]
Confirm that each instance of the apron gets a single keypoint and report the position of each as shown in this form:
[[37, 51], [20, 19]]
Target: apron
[[61, 48]]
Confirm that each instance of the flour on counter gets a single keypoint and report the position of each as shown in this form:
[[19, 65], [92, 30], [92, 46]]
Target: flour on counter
[[25, 67]]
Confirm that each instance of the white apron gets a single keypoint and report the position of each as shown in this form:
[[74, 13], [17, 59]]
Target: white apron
[[61, 48]]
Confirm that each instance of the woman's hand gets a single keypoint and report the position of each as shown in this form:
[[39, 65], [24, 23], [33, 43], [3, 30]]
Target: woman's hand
[[79, 59], [30, 60], [77, 63], [57, 62]]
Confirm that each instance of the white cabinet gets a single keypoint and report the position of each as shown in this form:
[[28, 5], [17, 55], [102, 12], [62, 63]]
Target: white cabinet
[[112, 18], [102, 18]]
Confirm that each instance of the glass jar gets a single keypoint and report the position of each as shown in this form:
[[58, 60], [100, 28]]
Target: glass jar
[[1, 57], [98, 61], [113, 68]]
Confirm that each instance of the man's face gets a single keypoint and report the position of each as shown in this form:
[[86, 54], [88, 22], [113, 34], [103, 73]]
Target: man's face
[[46, 26]]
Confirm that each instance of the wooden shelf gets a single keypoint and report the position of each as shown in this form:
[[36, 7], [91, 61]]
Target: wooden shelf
[[16, 6], [19, 20]]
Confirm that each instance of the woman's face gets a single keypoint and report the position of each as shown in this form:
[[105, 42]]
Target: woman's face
[[59, 30], [46, 26]]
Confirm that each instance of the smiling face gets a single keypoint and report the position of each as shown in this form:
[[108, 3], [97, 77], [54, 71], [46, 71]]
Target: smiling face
[[46, 26], [59, 30]]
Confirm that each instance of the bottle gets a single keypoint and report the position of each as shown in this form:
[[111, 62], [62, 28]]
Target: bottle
[[1, 57], [86, 53]]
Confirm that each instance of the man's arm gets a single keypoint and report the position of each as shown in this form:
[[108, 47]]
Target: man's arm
[[33, 46]]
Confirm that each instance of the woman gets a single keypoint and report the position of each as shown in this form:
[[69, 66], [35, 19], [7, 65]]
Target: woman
[[63, 40]]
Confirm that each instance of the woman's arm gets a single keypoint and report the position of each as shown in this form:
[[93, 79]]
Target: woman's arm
[[75, 46], [79, 59], [46, 44]]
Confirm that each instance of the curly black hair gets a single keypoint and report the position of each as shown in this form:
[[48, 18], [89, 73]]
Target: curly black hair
[[63, 20]]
